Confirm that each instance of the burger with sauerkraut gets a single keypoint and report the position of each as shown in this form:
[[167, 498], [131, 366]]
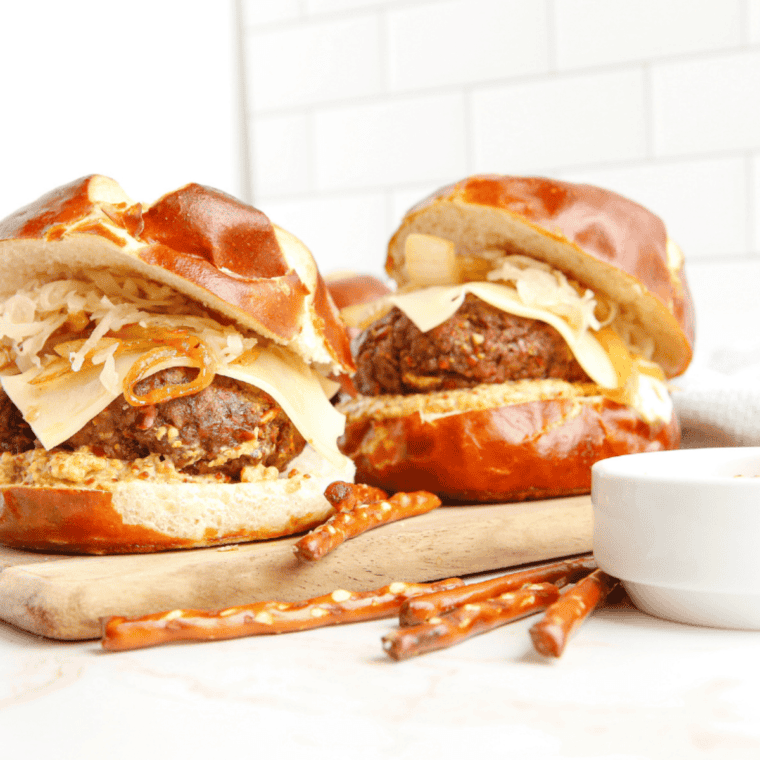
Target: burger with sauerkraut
[[166, 374], [534, 329]]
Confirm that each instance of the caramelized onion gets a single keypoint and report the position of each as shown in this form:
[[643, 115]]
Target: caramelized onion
[[431, 260], [176, 344], [7, 360], [159, 346], [52, 371]]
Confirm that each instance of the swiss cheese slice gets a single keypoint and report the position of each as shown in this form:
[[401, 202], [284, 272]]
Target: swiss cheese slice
[[60, 407], [430, 307], [300, 391]]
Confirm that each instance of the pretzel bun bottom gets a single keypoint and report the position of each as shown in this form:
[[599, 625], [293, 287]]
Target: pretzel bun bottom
[[501, 449], [141, 516]]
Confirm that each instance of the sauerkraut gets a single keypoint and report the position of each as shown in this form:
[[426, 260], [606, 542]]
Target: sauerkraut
[[538, 284], [77, 320]]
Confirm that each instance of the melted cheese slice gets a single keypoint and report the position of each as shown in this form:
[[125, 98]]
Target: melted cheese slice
[[430, 307], [605, 359], [300, 391], [60, 407]]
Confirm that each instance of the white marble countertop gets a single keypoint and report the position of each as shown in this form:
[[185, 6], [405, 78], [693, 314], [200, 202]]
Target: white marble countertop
[[628, 687]]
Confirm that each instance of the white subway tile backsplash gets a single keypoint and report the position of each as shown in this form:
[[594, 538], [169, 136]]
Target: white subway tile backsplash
[[281, 155], [330, 6], [755, 202], [564, 121], [389, 143], [297, 66], [753, 21], [707, 104], [727, 309], [402, 199], [604, 32], [360, 108], [260, 12], [703, 203], [461, 41], [347, 231]]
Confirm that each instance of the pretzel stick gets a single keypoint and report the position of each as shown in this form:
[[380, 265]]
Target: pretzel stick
[[120, 633], [352, 522], [551, 634], [468, 620], [343, 495], [422, 608]]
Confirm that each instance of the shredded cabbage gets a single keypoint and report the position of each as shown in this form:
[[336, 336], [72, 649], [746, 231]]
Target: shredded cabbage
[[85, 313]]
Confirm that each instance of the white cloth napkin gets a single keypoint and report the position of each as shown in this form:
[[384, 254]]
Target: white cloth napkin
[[718, 402]]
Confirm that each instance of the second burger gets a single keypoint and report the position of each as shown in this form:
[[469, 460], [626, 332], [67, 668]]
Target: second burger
[[534, 329]]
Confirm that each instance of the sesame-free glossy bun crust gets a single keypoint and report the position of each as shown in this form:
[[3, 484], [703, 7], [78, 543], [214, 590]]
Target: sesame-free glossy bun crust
[[530, 449], [603, 240], [74, 520], [201, 241], [86, 521], [150, 515], [353, 289]]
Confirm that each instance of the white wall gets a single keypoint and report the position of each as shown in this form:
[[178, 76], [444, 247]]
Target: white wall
[[144, 91], [358, 108]]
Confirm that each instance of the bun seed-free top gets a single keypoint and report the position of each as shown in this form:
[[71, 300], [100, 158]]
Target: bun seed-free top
[[203, 242]]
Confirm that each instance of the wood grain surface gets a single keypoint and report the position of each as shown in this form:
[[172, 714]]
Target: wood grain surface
[[65, 597]]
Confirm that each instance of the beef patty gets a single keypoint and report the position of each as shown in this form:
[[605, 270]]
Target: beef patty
[[478, 344], [15, 434], [225, 427]]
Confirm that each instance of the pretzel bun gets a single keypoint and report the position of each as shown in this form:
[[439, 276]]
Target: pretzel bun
[[529, 440], [198, 240], [238, 272], [353, 293], [141, 516], [350, 289], [536, 438]]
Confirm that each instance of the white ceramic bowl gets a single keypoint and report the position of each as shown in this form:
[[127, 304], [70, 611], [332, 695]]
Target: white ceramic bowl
[[681, 530]]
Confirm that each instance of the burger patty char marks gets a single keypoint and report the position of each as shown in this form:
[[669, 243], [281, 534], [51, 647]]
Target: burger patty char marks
[[221, 429], [478, 344]]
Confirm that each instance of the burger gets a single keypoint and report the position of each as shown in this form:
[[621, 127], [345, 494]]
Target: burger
[[167, 374], [533, 331]]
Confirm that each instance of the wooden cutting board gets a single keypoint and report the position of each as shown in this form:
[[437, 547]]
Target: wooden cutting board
[[65, 597]]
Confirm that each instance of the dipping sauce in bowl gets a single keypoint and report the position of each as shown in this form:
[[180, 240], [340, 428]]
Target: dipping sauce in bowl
[[681, 530]]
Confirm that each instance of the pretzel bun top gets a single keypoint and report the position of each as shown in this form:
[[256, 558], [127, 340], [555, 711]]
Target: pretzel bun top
[[200, 241], [600, 239]]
